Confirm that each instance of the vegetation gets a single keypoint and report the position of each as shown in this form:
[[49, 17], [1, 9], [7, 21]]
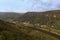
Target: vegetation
[[43, 18], [9, 15], [10, 31], [17, 31]]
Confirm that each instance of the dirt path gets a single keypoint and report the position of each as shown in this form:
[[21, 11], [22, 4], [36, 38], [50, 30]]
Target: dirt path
[[46, 32]]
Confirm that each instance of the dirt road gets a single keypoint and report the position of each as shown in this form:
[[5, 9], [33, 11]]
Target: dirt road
[[46, 32]]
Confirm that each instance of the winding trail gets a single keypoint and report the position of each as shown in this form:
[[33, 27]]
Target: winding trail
[[46, 32]]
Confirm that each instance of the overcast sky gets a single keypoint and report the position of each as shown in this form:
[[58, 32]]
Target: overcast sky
[[28, 5]]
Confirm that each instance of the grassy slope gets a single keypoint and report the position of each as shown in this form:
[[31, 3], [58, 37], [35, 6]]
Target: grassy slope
[[9, 31]]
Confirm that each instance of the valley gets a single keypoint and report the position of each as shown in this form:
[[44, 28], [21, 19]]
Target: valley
[[30, 25]]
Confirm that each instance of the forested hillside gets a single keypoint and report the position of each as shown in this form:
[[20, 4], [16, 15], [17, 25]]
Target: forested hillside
[[42, 18]]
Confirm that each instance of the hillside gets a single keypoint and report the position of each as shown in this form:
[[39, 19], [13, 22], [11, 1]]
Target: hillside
[[43, 18], [17, 31], [33, 15], [10, 31], [9, 15]]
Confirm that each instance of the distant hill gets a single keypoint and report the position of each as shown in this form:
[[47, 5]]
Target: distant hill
[[9, 15], [48, 17], [31, 16]]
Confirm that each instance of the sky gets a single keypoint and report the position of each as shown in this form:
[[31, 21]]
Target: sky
[[28, 5]]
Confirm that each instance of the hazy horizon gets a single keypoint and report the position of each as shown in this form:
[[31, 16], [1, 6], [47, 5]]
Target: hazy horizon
[[28, 11]]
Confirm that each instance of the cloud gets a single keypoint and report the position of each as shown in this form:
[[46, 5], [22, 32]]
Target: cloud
[[29, 5], [47, 4]]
